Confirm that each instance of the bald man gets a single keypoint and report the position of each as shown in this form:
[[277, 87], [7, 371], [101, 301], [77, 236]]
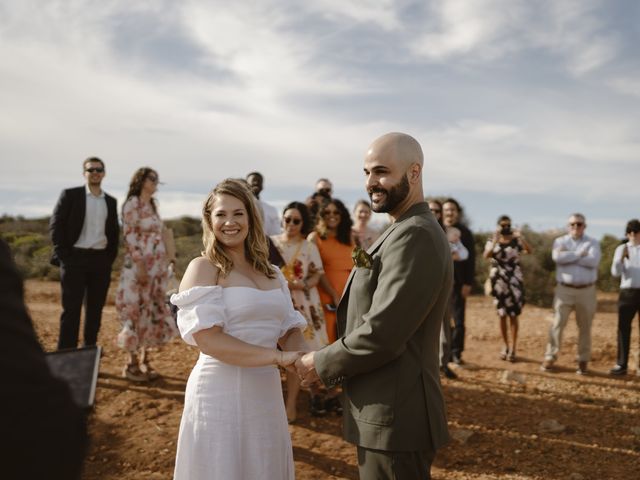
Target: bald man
[[389, 321]]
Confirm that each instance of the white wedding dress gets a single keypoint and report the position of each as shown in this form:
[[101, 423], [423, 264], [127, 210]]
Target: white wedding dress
[[234, 425]]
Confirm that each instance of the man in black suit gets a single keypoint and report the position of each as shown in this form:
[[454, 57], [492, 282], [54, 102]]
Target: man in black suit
[[84, 231], [463, 277], [44, 432]]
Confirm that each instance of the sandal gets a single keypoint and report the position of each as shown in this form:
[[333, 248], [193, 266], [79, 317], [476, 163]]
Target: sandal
[[316, 407], [504, 353], [132, 372], [149, 371], [333, 404], [512, 356]]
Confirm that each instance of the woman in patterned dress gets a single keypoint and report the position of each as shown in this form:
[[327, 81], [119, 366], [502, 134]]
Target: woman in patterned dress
[[507, 286], [302, 269], [140, 299]]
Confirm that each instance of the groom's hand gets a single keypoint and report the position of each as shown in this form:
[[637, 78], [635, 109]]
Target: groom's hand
[[305, 366]]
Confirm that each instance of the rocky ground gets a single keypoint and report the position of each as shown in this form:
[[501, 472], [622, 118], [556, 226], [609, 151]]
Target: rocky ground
[[508, 421]]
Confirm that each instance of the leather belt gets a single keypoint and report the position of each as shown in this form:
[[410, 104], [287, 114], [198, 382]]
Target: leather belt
[[586, 285]]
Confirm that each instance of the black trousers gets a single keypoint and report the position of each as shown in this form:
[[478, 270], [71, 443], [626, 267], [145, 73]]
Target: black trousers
[[458, 304], [84, 277], [628, 306], [386, 465]]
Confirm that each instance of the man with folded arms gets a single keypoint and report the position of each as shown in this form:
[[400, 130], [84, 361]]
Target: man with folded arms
[[577, 257]]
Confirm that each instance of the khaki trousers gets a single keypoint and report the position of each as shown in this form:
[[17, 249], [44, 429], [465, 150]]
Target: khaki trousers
[[583, 302]]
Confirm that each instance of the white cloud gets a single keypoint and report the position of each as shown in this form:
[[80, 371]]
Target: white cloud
[[486, 30]]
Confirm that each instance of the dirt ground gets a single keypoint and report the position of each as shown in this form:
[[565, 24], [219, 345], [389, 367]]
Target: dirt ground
[[508, 421]]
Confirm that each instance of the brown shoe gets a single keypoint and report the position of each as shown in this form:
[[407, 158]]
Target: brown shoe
[[582, 368], [547, 365]]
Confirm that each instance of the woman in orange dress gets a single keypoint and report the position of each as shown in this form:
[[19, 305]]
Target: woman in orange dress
[[335, 242]]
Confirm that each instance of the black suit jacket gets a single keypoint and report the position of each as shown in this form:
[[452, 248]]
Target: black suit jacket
[[464, 271], [66, 223], [44, 432]]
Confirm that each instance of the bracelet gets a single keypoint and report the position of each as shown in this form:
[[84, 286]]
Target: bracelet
[[279, 362]]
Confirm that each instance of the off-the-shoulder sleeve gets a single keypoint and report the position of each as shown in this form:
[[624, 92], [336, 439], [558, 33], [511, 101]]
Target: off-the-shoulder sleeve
[[199, 308], [294, 318]]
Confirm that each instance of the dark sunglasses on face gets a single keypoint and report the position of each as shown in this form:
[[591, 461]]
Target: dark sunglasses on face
[[577, 224], [153, 178], [505, 225], [328, 213], [295, 221], [94, 170]]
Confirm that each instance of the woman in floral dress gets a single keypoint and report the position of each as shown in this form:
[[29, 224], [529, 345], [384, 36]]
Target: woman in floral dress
[[302, 269], [507, 285], [140, 299]]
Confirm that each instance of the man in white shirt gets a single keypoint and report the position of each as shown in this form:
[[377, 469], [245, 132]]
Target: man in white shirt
[[84, 231], [270, 215], [626, 264], [577, 257]]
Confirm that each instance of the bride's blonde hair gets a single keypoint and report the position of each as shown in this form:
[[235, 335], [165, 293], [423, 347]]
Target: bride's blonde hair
[[256, 248]]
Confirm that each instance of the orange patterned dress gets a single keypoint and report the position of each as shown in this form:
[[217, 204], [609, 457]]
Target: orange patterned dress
[[337, 263]]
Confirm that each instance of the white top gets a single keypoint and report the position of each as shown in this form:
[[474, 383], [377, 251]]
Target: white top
[[93, 233], [629, 268], [462, 251], [204, 307], [571, 266], [271, 219]]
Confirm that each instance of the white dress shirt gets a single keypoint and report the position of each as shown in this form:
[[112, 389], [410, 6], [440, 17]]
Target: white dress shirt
[[270, 218], [572, 267], [95, 218], [629, 268]]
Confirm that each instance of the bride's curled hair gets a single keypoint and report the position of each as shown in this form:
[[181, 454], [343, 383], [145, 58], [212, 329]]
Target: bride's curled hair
[[256, 248]]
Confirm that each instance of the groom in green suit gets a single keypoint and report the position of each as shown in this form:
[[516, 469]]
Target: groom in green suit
[[389, 320]]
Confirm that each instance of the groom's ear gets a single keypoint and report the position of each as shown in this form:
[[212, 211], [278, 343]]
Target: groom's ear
[[414, 172]]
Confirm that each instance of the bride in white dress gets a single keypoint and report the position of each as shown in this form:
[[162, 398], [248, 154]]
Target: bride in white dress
[[236, 308]]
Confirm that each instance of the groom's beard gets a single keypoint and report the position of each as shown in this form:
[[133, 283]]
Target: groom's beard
[[392, 197]]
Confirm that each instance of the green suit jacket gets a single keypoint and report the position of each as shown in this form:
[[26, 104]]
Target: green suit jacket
[[389, 319]]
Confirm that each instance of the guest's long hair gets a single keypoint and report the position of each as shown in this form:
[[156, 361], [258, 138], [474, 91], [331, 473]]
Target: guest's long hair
[[135, 186], [256, 248], [343, 232]]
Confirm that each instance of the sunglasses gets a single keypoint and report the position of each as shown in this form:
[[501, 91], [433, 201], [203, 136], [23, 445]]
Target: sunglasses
[[295, 221], [328, 213], [505, 225], [577, 224], [94, 170], [153, 178]]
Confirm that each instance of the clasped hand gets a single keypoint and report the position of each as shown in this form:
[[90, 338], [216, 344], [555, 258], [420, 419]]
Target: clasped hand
[[306, 369]]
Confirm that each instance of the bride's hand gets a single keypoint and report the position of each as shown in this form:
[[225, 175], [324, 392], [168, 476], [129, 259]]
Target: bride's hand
[[287, 360]]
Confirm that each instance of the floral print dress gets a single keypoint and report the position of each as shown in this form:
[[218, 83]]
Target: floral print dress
[[141, 305], [507, 285], [301, 259]]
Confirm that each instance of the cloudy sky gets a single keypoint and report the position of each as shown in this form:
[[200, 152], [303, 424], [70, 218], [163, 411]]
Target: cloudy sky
[[526, 108]]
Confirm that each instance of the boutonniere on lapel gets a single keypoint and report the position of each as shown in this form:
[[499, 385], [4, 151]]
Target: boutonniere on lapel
[[361, 258]]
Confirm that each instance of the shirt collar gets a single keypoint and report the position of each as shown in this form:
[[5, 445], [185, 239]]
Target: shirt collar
[[88, 192]]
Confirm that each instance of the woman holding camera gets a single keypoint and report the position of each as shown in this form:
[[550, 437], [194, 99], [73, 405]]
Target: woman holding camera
[[507, 287]]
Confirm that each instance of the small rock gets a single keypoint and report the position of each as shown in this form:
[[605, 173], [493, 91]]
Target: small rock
[[576, 476], [551, 426], [461, 435]]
